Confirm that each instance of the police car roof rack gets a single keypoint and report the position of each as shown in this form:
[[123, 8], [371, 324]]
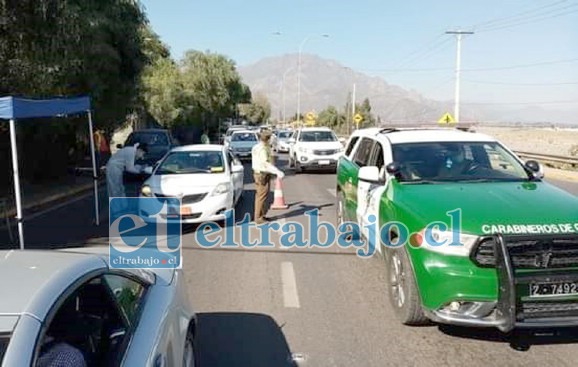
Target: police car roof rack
[[460, 126]]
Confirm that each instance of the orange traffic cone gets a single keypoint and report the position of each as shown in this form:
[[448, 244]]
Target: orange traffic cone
[[279, 202]]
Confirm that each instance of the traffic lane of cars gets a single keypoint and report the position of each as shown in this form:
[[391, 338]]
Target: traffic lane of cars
[[324, 282], [343, 315]]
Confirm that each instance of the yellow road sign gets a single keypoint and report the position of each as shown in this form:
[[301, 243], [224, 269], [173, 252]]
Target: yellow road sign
[[310, 116], [446, 119], [357, 118]]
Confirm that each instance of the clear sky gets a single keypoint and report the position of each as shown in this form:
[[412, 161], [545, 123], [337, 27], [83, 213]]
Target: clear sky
[[402, 41]]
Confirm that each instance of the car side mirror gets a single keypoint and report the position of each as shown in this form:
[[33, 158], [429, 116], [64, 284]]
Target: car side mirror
[[536, 168], [149, 170], [237, 168], [342, 140], [291, 141], [394, 169], [369, 174]]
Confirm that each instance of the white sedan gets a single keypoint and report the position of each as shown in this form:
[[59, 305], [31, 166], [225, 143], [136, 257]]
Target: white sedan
[[207, 178]]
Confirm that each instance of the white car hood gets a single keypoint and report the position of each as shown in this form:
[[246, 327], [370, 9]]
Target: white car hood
[[186, 184], [321, 145]]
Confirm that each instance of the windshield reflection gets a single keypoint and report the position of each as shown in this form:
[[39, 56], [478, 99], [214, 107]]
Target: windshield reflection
[[457, 161]]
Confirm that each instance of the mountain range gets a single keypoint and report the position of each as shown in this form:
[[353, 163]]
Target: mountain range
[[326, 82]]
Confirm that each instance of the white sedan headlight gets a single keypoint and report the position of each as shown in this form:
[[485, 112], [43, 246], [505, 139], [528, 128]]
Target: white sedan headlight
[[146, 191], [302, 149], [221, 189], [447, 242]]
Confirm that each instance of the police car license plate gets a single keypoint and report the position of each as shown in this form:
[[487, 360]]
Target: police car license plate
[[324, 163], [553, 289]]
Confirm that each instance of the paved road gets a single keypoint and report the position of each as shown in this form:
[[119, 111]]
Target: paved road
[[263, 307]]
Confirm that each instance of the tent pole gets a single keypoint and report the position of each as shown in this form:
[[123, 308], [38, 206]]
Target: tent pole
[[94, 169], [16, 182]]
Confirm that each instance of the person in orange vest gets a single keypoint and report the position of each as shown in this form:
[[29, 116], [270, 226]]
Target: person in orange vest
[[101, 149]]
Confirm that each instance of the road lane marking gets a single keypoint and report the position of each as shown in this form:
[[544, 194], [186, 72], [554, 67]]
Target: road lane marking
[[290, 296], [332, 192]]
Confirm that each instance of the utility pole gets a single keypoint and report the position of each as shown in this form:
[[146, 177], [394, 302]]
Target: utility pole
[[353, 105], [459, 35]]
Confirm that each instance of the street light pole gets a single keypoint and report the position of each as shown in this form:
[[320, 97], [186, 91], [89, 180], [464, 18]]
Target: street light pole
[[458, 71], [283, 93], [299, 75]]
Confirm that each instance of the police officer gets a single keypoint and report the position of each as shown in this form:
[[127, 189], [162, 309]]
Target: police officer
[[263, 169]]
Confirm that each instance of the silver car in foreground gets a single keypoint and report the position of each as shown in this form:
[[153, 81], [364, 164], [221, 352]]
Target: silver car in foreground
[[71, 302]]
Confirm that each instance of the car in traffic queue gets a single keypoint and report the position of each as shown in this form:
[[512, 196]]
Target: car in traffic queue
[[110, 317], [509, 240], [230, 131], [280, 142], [314, 148], [242, 143], [207, 178], [159, 141]]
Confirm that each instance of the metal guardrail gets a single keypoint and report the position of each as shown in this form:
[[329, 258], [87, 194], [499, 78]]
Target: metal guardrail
[[549, 158]]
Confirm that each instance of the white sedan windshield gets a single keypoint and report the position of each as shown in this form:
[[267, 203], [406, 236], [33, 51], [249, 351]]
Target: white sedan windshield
[[192, 162]]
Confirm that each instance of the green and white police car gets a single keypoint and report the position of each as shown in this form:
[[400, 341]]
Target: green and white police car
[[471, 235]]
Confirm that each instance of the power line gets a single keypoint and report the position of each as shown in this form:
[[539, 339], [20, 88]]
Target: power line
[[523, 103], [528, 21], [525, 65], [518, 15], [520, 84], [520, 66], [418, 50]]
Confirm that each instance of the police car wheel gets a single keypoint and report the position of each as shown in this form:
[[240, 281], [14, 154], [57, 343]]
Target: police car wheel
[[403, 291]]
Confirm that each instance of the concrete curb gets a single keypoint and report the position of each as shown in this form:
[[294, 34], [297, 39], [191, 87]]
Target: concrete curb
[[53, 198]]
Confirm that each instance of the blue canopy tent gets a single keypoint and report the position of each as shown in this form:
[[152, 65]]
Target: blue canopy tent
[[14, 108]]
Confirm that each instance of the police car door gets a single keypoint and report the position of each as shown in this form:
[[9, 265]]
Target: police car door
[[369, 196]]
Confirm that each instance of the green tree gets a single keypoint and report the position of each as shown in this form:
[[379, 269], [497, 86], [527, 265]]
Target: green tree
[[331, 117], [163, 93], [258, 111], [212, 85], [365, 110], [69, 48]]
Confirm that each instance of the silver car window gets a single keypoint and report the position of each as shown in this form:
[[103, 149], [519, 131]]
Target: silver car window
[[4, 339], [128, 294]]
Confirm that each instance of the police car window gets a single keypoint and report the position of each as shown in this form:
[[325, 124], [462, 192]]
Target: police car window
[[377, 156], [362, 153], [351, 145]]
